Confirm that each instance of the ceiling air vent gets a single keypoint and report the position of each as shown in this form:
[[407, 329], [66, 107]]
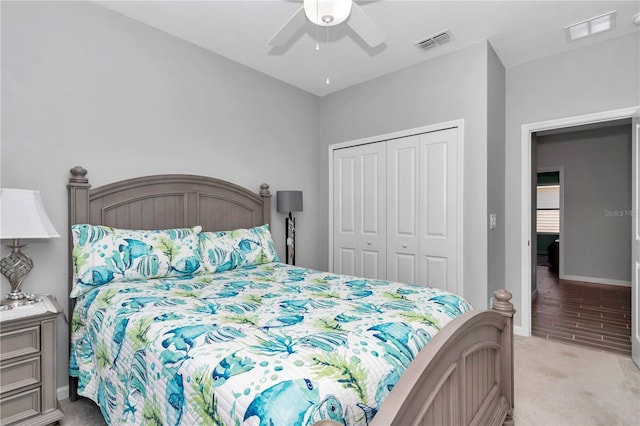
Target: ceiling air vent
[[434, 40], [426, 43]]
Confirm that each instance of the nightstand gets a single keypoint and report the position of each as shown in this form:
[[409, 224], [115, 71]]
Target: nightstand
[[28, 394]]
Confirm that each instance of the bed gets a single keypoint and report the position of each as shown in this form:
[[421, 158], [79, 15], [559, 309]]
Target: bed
[[236, 337]]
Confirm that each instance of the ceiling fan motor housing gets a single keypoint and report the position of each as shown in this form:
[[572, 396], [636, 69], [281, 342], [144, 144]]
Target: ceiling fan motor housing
[[327, 13]]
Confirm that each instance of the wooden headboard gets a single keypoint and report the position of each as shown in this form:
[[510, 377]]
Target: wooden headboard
[[163, 202]]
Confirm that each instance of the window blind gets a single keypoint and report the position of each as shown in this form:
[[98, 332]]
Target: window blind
[[548, 212]]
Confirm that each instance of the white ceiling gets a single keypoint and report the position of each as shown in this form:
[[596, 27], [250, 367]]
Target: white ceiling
[[519, 31]]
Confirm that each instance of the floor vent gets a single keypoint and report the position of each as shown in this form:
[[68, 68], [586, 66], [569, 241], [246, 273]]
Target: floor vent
[[434, 40]]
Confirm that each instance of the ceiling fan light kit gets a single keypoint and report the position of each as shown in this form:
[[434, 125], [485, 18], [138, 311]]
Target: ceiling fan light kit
[[327, 13]]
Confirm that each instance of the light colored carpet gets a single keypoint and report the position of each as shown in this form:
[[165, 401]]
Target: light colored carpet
[[555, 385], [83, 412], [560, 384]]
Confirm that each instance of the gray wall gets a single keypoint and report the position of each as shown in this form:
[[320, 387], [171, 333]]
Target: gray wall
[[82, 85], [597, 78], [449, 87], [597, 199], [495, 171]]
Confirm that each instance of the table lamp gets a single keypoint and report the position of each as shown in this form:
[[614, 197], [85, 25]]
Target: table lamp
[[22, 216], [290, 201]]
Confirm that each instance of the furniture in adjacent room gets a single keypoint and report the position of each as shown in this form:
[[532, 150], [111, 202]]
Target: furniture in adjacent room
[[553, 251], [28, 393], [395, 206]]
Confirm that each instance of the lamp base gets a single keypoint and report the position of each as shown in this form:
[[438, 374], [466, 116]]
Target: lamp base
[[15, 266], [290, 239], [17, 295], [11, 302]]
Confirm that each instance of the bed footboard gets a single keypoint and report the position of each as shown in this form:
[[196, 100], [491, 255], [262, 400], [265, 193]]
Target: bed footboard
[[464, 376]]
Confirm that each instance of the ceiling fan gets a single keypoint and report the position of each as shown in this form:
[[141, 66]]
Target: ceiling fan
[[328, 13]]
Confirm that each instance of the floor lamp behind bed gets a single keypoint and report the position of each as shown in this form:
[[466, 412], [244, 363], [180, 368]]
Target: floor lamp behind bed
[[288, 202]]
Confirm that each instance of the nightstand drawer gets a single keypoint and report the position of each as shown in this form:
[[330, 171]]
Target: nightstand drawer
[[20, 342], [20, 406], [20, 374]]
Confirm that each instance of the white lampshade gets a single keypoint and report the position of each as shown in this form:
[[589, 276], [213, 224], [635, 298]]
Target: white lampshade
[[327, 12], [22, 215]]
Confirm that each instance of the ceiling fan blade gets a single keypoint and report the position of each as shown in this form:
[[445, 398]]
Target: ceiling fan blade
[[292, 26], [364, 26]]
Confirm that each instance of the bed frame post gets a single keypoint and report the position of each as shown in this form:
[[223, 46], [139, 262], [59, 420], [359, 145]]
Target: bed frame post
[[78, 188], [502, 305], [266, 196]]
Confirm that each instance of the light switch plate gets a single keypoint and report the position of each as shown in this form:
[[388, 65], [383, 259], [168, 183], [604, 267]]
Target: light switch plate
[[493, 221]]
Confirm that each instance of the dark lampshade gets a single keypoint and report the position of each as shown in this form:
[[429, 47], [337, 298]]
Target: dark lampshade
[[289, 201]]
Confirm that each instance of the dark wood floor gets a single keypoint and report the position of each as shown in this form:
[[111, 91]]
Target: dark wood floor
[[596, 316]]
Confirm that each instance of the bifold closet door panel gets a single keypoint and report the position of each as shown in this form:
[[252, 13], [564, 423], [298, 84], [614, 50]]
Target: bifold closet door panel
[[344, 212], [359, 206], [371, 206], [403, 244], [438, 188], [422, 209]]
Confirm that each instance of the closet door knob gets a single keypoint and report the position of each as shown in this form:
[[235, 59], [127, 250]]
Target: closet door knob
[[368, 243], [404, 245]]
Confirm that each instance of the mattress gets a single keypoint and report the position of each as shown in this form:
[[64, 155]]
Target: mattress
[[272, 344]]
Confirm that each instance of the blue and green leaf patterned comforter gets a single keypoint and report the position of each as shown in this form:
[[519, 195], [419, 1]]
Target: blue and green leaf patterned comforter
[[268, 345]]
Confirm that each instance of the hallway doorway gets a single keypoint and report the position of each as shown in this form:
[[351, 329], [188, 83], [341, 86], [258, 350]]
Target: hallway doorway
[[528, 264], [583, 287]]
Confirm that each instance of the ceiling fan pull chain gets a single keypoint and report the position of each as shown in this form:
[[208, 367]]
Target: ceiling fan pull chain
[[327, 81], [317, 28]]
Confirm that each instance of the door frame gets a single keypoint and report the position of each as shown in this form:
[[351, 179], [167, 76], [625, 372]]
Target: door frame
[[525, 191], [459, 124]]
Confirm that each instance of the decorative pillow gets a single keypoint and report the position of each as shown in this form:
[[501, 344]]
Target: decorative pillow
[[102, 255], [225, 250]]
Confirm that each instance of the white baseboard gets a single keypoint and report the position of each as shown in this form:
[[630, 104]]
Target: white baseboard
[[519, 331], [595, 280], [63, 392]]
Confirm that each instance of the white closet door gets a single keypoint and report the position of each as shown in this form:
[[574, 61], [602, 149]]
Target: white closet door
[[344, 211], [438, 189], [403, 244], [396, 212], [359, 196]]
